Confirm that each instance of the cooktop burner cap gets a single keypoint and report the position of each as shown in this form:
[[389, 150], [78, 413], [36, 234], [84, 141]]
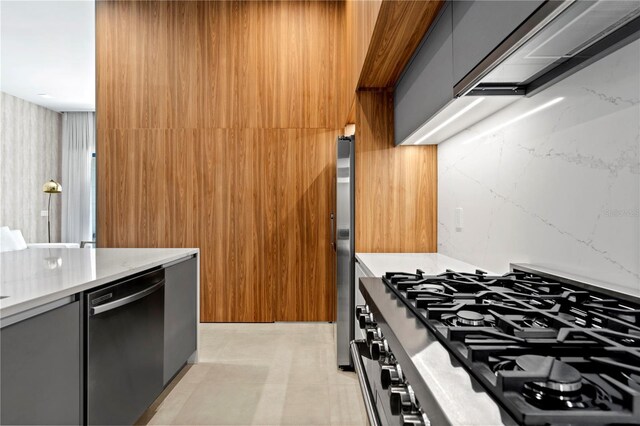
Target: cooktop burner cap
[[561, 376], [469, 318], [429, 287]]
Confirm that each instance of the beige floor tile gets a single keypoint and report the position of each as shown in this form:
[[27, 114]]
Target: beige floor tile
[[296, 370], [306, 405], [263, 374], [239, 372], [195, 374], [221, 404], [347, 407], [170, 407], [270, 407], [337, 377], [243, 346]]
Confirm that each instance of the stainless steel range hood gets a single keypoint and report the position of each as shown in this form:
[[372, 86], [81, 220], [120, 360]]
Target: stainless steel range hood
[[558, 39]]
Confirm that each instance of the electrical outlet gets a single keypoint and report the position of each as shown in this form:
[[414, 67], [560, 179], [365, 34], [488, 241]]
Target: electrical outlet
[[458, 218], [44, 213]]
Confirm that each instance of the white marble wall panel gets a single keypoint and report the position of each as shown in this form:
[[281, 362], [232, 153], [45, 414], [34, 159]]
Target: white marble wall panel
[[30, 155], [558, 186]]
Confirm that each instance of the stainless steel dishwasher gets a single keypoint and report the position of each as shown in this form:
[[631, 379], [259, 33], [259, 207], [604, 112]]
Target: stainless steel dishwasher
[[125, 343]]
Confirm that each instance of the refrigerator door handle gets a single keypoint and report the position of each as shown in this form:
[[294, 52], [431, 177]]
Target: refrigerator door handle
[[333, 232]]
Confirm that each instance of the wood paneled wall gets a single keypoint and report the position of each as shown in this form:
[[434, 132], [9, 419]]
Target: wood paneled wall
[[216, 129], [396, 187], [220, 64]]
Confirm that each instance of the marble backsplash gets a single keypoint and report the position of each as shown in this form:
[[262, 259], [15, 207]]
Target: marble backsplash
[[553, 179]]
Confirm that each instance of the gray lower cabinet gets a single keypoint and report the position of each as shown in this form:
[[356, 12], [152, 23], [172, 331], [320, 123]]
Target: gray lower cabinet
[[480, 26], [40, 368], [180, 316], [426, 85]]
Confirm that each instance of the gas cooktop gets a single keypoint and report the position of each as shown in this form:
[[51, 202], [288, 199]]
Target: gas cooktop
[[548, 352]]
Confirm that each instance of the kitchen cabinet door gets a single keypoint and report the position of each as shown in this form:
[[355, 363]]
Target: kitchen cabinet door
[[427, 83], [480, 26], [40, 369], [180, 315]]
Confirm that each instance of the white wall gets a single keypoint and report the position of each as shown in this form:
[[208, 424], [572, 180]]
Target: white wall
[[560, 187], [30, 155]]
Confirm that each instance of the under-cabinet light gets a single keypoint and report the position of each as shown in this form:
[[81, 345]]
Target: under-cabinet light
[[514, 120], [449, 120]]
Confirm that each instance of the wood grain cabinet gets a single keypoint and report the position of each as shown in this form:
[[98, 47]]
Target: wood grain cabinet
[[480, 26], [40, 374]]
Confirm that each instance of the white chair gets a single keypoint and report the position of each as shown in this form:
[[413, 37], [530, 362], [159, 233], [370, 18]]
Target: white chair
[[12, 240]]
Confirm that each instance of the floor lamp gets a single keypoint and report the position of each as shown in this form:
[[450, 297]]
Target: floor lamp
[[51, 187]]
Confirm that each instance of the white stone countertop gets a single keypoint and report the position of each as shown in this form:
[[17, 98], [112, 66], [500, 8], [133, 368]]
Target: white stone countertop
[[377, 264], [36, 276]]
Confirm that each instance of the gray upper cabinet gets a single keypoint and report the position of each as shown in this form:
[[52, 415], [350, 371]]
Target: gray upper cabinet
[[180, 315], [41, 370], [426, 85], [462, 36], [480, 26]]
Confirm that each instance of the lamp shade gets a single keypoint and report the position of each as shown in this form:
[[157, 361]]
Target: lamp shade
[[52, 187]]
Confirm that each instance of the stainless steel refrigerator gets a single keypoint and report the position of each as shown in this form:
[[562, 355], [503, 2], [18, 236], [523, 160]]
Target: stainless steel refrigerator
[[344, 244]]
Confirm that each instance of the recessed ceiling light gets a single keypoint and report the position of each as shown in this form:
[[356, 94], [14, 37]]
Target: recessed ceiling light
[[45, 95]]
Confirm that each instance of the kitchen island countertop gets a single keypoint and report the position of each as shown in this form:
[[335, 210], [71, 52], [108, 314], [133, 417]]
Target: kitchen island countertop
[[34, 277]]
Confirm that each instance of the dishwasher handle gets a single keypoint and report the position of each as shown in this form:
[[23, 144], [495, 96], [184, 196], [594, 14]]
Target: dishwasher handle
[[126, 300]]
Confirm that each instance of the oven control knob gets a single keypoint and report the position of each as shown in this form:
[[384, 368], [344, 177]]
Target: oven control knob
[[391, 375], [366, 320], [373, 334], [362, 309], [379, 349], [402, 400], [414, 419]]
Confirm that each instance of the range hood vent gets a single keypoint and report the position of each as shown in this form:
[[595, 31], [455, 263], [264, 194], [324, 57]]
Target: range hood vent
[[558, 39]]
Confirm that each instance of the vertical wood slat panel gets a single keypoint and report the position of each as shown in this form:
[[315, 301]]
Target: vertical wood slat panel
[[306, 194], [212, 132], [396, 187], [190, 107], [192, 64], [213, 189], [195, 109]]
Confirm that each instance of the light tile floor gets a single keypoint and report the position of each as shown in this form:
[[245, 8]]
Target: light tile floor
[[262, 374]]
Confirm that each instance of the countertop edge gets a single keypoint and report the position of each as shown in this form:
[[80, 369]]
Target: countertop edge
[[61, 294], [423, 260], [364, 266]]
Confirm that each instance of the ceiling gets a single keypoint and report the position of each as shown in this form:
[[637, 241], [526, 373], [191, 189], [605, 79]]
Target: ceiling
[[48, 47]]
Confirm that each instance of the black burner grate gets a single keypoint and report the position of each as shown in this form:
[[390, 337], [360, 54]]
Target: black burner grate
[[549, 352]]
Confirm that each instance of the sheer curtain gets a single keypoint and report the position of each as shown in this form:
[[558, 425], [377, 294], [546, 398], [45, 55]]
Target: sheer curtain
[[78, 145]]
